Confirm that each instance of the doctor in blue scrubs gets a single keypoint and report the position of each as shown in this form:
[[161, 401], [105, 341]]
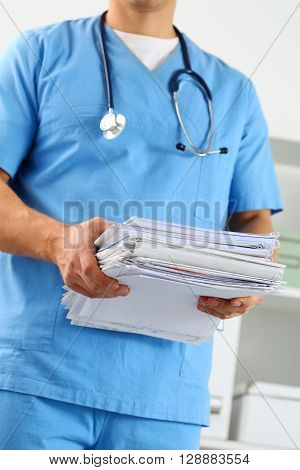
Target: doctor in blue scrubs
[[64, 180]]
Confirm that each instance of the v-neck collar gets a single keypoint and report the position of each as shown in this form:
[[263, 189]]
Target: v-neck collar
[[117, 38], [173, 62]]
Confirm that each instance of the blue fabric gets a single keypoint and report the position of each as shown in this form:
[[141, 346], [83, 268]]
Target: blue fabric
[[36, 423], [52, 96]]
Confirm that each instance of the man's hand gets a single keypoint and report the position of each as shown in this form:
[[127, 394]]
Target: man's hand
[[27, 232], [74, 253], [258, 221], [226, 309]]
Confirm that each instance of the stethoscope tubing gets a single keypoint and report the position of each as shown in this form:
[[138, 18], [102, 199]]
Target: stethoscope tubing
[[118, 122], [109, 93]]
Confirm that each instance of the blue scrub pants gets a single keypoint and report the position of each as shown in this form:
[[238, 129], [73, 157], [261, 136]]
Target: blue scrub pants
[[29, 422]]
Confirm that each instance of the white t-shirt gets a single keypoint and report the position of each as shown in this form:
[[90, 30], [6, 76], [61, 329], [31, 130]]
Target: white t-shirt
[[150, 50]]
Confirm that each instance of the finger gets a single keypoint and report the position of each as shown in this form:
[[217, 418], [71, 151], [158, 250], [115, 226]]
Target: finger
[[234, 301], [229, 316], [222, 316], [236, 305], [209, 301], [84, 290], [80, 286], [222, 305], [101, 284], [81, 290], [211, 311], [75, 277], [106, 291], [233, 311], [74, 281], [204, 298], [224, 313], [248, 301], [93, 277]]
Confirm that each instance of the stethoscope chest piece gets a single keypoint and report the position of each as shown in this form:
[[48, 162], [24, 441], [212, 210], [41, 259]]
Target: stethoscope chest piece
[[112, 125]]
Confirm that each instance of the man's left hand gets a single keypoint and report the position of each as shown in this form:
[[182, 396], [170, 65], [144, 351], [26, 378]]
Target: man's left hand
[[226, 309]]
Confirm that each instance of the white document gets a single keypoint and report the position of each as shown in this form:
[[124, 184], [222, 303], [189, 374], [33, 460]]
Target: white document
[[167, 267], [199, 257], [249, 244], [156, 307], [204, 279]]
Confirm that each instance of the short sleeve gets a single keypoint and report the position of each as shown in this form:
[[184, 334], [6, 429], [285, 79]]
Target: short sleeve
[[19, 69], [254, 184]]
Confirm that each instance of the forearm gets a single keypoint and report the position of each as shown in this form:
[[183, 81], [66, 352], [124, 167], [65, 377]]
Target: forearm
[[24, 231], [256, 224], [259, 222]]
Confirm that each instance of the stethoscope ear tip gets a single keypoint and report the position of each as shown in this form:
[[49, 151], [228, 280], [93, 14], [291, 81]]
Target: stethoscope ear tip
[[181, 147], [200, 152]]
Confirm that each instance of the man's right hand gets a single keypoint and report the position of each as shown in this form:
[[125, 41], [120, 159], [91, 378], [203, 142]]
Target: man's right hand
[[27, 232], [74, 252]]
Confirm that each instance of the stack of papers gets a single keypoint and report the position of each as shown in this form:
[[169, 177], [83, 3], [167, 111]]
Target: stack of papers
[[168, 266]]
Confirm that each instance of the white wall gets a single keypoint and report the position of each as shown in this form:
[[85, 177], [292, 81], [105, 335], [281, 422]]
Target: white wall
[[289, 181], [240, 31]]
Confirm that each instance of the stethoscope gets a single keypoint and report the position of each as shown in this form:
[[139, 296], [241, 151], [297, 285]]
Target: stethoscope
[[113, 125]]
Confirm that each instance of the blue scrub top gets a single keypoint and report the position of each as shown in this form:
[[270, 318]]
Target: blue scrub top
[[52, 96]]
